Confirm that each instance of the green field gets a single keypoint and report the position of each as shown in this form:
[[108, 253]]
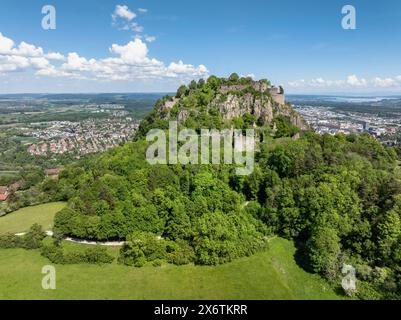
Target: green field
[[268, 275], [23, 219], [272, 274]]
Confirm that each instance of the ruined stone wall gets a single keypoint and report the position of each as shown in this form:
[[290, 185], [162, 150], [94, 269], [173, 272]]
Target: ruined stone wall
[[238, 87], [276, 93]]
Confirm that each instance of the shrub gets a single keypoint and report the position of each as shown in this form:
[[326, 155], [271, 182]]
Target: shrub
[[53, 253], [234, 77], [180, 253], [74, 257], [98, 255], [324, 251], [63, 221], [92, 255], [145, 247], [284, 127], [157, 263], [142, 247], [131, 255], [9, 241], [140, 262], [33, 238]]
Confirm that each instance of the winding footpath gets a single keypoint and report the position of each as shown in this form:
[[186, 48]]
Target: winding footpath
[[49, 233]]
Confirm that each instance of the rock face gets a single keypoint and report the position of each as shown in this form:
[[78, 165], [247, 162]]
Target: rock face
[[236, 106], [295, 118], [260, 86], [183, 115], [169, 104], [260, 99]]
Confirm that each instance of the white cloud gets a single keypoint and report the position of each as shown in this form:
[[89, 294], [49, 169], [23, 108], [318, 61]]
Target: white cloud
[[250, 75], [351, 82], [40, 63], [150, 39], [385, 83], [136, 27], [76, 63], [297, 84], [129, 62], [52, 71], [123, 19], [317, 83], [132, 53], [22, 57], [142, 10], [180, 68], [13, 63], [55, 56], [6, 44], [7, 47], [122, 11], [28, 50]]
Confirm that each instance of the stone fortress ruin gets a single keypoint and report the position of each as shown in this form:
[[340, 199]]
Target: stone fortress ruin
[[277, 93]]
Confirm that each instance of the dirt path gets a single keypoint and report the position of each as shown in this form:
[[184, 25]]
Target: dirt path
[[95, 243], [49, 233]]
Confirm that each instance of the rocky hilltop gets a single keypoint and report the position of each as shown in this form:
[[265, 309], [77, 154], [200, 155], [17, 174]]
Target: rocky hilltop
[[230, 98]]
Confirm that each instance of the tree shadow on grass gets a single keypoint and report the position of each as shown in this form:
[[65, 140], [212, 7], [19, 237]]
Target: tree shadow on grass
[[301, 256], [303, 261]]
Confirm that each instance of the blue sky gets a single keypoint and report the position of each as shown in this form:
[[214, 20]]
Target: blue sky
[[154, 45]]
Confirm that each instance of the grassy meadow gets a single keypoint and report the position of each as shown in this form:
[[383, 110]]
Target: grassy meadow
[[21, 220], [272, 274]]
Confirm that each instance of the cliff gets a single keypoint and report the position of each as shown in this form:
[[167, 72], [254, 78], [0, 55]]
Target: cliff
[[226, 100]]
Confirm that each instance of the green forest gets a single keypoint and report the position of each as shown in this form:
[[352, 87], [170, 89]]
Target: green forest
[[337, 197]]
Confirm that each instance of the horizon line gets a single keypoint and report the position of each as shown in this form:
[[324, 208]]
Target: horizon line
[[356, 94]]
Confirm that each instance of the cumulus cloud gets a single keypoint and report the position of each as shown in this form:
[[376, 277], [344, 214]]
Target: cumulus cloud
[[122, 11], [6, 44], [297, 84], [386, 82], [40, 63], [55, 56], [28, 50], [126, 62], [123, 18], [180, 68], [13, 63], [7, 47], [351, 82], [135, 52], [22, 57], [75, 63]]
